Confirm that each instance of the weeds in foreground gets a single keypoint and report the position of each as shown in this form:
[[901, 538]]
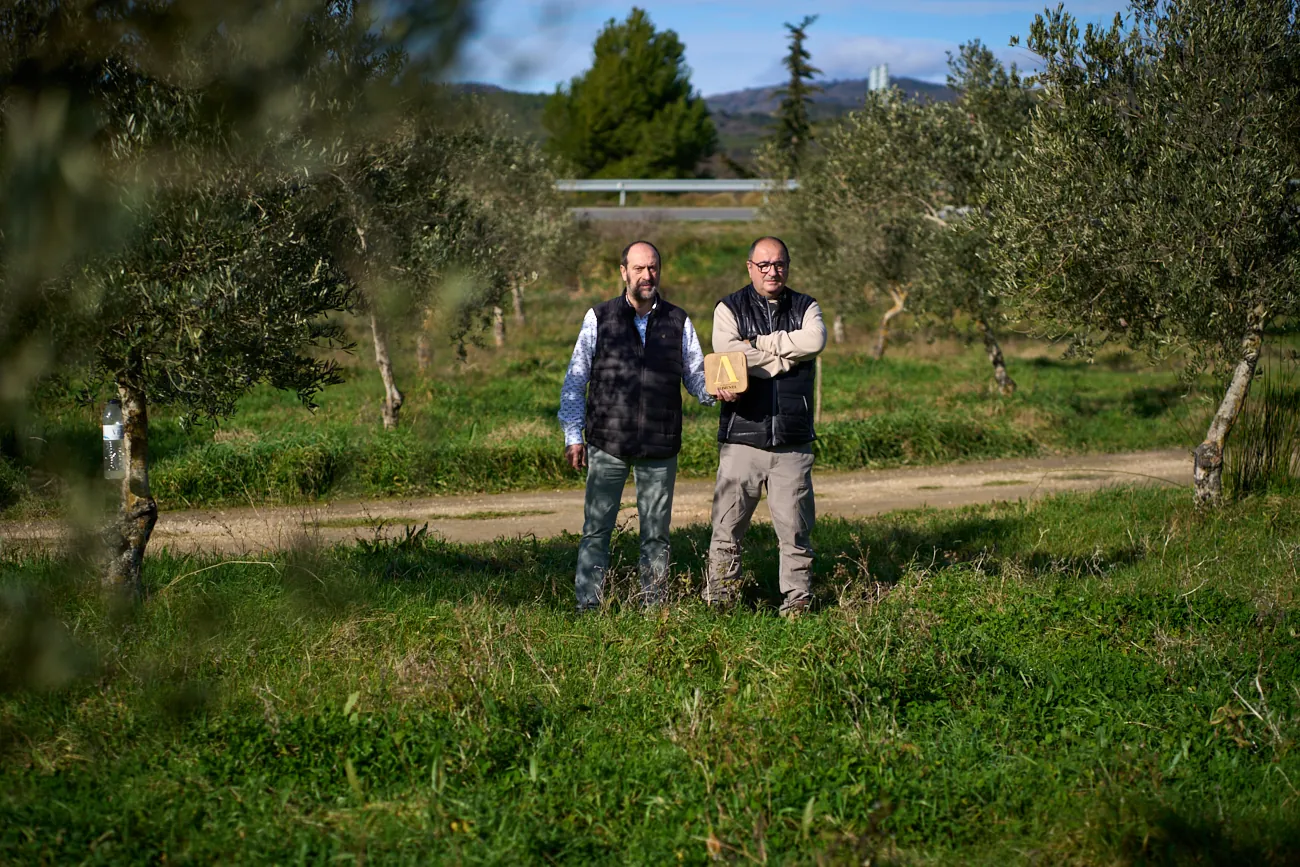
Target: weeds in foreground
[[1264, 451], [1103, 679]]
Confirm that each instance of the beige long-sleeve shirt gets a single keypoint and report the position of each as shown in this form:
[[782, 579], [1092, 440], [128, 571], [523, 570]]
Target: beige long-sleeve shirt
[[773, 353]]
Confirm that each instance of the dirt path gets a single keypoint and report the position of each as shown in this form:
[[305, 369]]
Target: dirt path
[[484, 517]]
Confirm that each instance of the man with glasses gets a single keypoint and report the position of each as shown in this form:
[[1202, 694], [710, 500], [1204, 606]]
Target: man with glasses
[[766, 433], [624, 386]]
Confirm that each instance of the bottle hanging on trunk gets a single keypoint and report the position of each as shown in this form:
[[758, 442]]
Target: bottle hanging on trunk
[[114, 453]]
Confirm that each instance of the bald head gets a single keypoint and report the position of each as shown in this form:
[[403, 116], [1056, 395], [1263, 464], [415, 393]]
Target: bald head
[[769, 266], [638, 245], [640, 271], [767, 240]]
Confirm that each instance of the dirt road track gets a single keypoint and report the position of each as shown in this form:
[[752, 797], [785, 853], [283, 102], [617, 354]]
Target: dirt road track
[[484, 517]]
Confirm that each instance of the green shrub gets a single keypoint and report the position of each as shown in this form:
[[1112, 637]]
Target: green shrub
[[916, 436], [240, 472], [13, 483], [401, 463], [912, 436]]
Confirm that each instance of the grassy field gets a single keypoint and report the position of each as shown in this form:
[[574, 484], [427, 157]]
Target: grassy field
[[488, 423], [1086, 680]]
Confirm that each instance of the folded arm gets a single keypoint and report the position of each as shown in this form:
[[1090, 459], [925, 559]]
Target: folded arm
[[727, 338], [800, 345]]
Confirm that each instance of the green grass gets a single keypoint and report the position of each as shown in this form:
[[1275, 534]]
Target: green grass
[[1104, 679], [493, 428], [489, 514], [488, 423]]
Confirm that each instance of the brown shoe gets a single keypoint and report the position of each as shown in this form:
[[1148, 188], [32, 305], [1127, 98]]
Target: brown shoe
[[722, 604], [795, 609]]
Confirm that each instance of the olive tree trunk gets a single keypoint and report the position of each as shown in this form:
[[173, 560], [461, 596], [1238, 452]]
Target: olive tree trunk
[[1006, 385], [882, 334], [498, 327], [423, 352], [1207, 473], [392, 396], [128, 534], [517, 297], [837, 329], [423, 345]]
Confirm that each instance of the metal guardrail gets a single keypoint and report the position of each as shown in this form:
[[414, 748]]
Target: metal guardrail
[[689, 215], [690, 185]]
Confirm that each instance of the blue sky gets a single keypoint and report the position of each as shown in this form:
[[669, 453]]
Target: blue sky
[[732, 44]]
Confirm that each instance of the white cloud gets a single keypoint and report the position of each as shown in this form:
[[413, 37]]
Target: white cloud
[[962, 8], [973, 8], [926, 59], [530, 47], [914, 58]]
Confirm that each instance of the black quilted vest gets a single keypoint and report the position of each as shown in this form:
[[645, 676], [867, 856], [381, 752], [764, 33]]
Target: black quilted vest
[[634, 398], [776, 411]]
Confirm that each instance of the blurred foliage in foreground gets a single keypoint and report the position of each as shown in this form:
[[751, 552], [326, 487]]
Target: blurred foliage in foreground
[[191, 188]]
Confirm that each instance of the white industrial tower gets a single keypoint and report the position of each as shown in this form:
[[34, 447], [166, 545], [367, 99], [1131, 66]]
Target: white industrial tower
[[878, 77]]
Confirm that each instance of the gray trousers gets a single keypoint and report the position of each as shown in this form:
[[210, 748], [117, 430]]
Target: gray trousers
[[606, 476], [743, 472]]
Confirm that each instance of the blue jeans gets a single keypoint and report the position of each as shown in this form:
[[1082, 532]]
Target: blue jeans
[[606, 476]]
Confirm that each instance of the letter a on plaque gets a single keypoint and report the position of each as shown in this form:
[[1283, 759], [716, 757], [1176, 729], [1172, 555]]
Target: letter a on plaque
[[725, 370]]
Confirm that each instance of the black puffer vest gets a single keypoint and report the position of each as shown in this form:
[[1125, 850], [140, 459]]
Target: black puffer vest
[[634, 399], [776, 411]]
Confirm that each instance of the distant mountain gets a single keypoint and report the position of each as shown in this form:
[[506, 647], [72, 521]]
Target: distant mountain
[[836, 97], [523, 109], [743, 117]]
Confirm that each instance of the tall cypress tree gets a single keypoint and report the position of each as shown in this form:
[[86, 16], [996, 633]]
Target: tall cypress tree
[[794, 123]]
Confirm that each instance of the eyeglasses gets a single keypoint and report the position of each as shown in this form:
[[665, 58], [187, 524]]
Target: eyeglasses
[[764, 267]]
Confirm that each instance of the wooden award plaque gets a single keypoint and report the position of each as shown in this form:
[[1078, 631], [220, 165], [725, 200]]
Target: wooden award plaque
[[725, 370]]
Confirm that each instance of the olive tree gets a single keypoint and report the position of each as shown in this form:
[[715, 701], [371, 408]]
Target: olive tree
[[398, 223], [885, 207], [1152, 201], [513, 182], [973, 142], [470, 203], [165, 225], [224, 288], [95, 97], [855, 217]]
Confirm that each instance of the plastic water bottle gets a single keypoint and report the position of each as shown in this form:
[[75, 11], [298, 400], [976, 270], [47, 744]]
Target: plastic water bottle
[[114, 453]]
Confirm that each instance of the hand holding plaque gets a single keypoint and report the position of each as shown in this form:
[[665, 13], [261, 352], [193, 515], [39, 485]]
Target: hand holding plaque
[[725, 370]]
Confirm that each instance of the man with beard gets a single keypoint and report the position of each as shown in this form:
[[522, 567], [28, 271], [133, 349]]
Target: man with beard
[[623, 387], [766, 433]]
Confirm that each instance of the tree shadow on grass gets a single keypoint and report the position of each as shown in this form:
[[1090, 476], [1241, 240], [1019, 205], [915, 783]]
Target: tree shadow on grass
[[531, 571], [883, 551], [1147, 402], [1155, 401], [519, 571], [1170, 837], [1117, 361]]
